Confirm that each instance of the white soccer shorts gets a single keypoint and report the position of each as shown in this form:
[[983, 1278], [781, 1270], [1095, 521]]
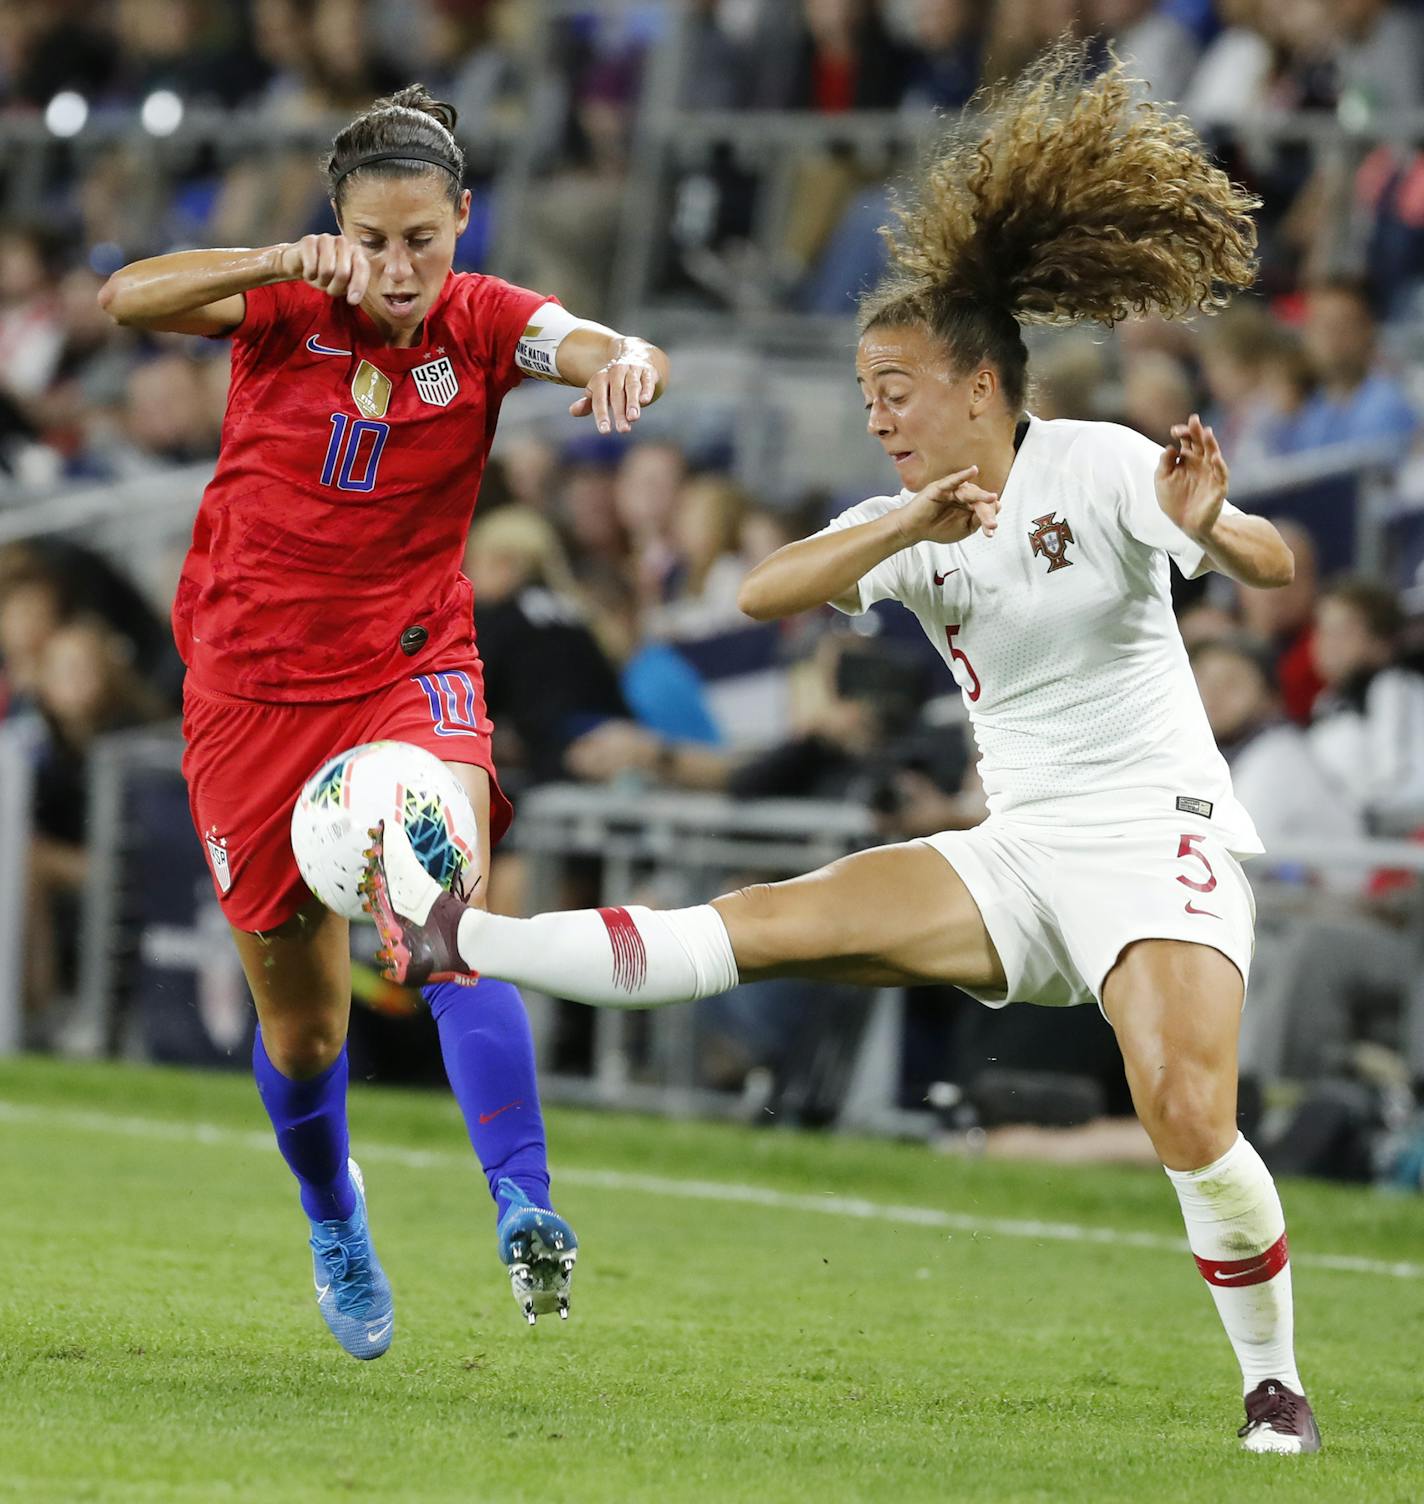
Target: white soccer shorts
[[1062, 905]]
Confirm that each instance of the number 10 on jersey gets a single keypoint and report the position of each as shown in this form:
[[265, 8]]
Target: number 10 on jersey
[[356, 445]]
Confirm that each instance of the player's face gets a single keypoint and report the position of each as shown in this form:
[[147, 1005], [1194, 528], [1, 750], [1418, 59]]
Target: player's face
[[917, 406], [408, 228]]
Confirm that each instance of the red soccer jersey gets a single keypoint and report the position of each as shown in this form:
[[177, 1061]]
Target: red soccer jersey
[[348, 471]]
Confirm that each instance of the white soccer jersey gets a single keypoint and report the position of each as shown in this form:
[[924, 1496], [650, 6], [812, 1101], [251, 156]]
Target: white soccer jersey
[[1059, 631]]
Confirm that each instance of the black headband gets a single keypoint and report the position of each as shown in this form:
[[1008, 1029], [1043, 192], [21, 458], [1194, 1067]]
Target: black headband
[[401, 154]]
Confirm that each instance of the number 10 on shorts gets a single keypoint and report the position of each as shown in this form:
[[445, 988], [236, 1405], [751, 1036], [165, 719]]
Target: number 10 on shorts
[[452, 701]]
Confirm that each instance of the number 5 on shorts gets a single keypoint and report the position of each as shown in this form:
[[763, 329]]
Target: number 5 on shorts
[[1187, 848]]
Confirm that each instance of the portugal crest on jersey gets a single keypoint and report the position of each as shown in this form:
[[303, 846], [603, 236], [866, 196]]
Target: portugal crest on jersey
[[1051, 539], [436, 382], [371, 389]]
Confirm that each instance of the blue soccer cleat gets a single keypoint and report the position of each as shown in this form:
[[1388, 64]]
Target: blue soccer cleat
[[540, 1248], [352, 1291]]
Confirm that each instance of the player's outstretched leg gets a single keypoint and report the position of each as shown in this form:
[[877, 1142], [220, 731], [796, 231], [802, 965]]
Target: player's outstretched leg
[[629, 958], [489, 1059]]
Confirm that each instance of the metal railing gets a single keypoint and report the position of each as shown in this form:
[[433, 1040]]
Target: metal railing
[[17, 739]]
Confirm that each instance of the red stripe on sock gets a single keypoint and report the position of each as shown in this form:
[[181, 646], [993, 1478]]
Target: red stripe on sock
[[630, 955], [1253, 1271]]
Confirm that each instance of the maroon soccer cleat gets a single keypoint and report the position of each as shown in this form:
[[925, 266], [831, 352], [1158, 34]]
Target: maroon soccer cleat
[[1278, 1420], [418, 921]]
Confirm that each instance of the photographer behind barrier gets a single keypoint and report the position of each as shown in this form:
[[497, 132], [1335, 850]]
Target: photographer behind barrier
[[863, 732]]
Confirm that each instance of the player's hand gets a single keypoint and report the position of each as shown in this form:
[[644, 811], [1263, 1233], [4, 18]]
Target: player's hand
[[339, 267], [1191, 478], [617, 393], [949, 509]]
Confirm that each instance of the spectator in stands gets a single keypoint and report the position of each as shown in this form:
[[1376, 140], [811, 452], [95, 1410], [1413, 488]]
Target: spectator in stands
[[1154, 44], [1068, 377], [1389, 190], [1357, 400], [829, 56], [1205, 620], [1273, 769], [1368, 729], [95, 358], [1231, 78], [707, 567], [547, 681], [165, 420], [1380, 58], [32, 609], [647, 482], [45, 583], [1285, 620], [1020, 29], [1251, 367], [1157, 389], [87, 686], [948, 41], [31, 331]]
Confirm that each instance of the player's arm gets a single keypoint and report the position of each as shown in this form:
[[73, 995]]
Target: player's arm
[[204, 292], [827, 567], [620, 373], [1191, 484]]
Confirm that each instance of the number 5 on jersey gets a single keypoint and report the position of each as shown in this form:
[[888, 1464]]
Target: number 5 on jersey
[[973, 689], [356, 444]]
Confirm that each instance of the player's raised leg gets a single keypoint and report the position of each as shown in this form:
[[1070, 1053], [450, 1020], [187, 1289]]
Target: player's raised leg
[[891, 916], [488, 1051], [1176, 1009], [300, 979]]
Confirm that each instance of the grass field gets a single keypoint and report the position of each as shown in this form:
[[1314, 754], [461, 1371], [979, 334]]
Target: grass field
[[744, 1327]]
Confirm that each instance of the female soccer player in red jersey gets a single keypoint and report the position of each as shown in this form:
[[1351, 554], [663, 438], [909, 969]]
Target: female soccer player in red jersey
[[322, 605], [1035, 556]]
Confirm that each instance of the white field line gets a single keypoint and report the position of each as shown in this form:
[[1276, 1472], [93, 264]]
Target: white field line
[[828, 1204]]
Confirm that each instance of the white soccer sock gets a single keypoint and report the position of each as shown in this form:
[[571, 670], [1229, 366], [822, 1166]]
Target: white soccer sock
[[623, 958], [1237, 1230]]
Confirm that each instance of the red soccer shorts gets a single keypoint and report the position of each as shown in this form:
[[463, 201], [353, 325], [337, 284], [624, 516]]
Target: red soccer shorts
[[246, 761]]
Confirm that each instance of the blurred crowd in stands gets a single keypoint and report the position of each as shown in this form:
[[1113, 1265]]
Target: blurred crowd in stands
[[606, 573]]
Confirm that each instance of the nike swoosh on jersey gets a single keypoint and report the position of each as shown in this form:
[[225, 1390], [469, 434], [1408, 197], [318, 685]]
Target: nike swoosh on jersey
[[939, 579], [317, 348], [1206, 912]]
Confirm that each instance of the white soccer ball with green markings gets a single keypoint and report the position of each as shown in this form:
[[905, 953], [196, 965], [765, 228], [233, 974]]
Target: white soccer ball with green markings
[[391, 781]]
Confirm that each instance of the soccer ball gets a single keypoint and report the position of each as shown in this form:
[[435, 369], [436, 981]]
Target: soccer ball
[[391, 781]]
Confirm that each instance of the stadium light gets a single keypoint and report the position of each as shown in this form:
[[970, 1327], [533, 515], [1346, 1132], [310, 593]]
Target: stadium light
[[162, 113], [66, 113]]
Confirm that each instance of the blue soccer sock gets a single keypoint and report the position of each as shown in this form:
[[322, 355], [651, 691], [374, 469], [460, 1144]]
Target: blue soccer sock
[[310, 1121], [489, 1059]]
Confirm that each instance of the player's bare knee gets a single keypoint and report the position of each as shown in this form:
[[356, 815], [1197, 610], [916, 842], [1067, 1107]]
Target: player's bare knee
[[302, 1050], [1188, 1114], [769, 927]]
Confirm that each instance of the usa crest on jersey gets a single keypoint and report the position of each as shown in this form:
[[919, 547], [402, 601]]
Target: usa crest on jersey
[[436, 381]]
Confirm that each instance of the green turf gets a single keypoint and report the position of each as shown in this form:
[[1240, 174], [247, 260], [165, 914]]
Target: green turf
[[158, 1338]]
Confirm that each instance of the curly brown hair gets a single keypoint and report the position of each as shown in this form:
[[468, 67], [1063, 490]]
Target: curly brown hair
[[1061, 199]]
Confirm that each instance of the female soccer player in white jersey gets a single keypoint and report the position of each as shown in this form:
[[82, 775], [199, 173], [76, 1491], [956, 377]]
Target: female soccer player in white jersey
[[1035, 555]]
